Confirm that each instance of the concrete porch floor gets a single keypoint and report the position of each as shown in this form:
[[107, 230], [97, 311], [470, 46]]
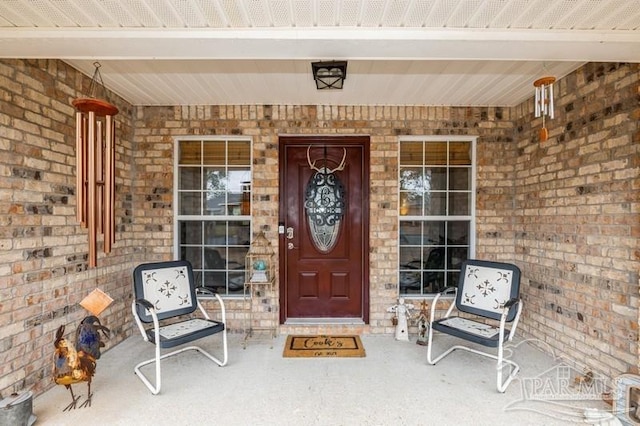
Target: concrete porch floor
[[392, 385]]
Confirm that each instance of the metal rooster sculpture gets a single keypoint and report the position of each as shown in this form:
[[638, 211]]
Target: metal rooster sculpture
[[75, 364], [88, 337]]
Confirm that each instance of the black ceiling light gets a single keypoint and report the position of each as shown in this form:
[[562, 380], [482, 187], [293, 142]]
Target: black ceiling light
[[329, 75]]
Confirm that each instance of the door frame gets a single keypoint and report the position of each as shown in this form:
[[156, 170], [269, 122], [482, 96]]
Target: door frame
[[362, 141]]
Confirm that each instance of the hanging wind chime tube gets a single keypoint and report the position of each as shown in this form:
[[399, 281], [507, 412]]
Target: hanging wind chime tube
[[543, 103], [95, 167]]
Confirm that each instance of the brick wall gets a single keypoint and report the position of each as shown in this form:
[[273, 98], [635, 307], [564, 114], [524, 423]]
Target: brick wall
[[563, 210], [43, 251], [577, 211], [156, 128]]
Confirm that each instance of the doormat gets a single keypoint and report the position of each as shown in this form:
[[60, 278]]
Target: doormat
[[323, 346]]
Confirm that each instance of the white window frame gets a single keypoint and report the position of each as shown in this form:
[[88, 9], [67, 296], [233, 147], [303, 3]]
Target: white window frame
[[177, 218], [471, 217]]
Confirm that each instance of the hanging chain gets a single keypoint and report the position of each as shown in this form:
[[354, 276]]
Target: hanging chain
[[96, 83]]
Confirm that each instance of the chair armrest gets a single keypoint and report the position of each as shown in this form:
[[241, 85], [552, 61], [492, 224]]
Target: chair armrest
[[510, 304], [152, 311], [223, 311], [205, 290], [144, 302], [449, 289], [434, 303]]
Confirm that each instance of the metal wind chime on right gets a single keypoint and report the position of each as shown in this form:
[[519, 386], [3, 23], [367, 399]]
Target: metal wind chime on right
[[95, 167], [544, 102]]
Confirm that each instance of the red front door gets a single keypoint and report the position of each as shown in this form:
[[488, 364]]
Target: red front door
[[320, 280]]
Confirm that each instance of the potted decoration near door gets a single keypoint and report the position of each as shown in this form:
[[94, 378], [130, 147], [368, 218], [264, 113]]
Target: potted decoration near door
[[259, 261], [259, 271]]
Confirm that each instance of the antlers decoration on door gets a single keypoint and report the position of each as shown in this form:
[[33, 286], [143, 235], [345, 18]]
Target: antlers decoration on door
[[325, 170], [325, 203]]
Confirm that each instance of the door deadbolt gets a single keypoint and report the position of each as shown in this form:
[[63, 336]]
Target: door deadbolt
[[290, 233]]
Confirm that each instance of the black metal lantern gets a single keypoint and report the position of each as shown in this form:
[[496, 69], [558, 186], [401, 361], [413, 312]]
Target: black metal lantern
[[329, 75]]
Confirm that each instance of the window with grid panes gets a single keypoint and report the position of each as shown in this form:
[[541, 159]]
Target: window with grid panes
[[436, 212], [213, 210]]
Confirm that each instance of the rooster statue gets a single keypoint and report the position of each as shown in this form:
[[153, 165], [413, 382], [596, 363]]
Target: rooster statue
[[75, 364]]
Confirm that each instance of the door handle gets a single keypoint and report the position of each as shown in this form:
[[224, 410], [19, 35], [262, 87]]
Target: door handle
[[290, 245]]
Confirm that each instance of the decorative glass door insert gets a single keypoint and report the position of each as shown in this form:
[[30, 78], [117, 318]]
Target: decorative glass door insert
[[324, 204]]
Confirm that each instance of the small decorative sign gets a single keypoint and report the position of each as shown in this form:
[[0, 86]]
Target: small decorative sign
[[96, 301]]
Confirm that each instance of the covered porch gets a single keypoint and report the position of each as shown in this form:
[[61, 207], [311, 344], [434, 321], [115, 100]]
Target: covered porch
[[564, 209], [392, 385]]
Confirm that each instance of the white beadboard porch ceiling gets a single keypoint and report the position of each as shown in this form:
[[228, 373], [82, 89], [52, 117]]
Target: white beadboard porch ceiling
[[399, 52]]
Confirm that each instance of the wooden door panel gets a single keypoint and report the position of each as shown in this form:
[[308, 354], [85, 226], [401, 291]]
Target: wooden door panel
[[339, 286], [317, 284], [308, 285]]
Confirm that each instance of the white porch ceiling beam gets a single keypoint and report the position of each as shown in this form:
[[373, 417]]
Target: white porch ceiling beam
[[322, 43]]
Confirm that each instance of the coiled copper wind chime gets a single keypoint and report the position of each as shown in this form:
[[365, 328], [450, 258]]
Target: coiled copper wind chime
[[95, 166]]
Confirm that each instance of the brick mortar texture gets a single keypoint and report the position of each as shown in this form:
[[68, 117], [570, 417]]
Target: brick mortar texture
[[157, 127], [576, 206], [44, 271], [44, 274]]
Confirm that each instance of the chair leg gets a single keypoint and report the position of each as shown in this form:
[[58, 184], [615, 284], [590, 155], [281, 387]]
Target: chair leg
[[158, 381], [221, 362], [502, 363], [137, 369], [501, 384], [432, 361]]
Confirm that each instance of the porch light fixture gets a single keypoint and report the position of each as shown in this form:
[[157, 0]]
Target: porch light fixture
[[544, 102], [329, 75], [95, 166]]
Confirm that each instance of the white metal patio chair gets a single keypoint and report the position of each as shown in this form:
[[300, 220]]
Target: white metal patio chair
[[488, 297], [163, 292]]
